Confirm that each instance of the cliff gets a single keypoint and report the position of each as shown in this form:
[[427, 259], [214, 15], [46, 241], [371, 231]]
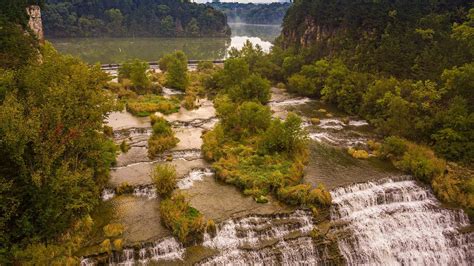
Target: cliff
[[35, 23]]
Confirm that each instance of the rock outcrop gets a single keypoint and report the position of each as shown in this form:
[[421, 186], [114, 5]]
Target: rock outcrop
[[35, 23]]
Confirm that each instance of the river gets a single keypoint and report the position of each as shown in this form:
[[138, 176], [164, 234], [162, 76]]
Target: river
[[378, 215], [117, 50]]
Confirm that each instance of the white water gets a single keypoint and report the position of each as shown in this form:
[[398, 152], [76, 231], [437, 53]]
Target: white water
[[146, 192], [253, 230], [107, 194], [393, 222], [296, 101], [300, 251], [167, 249], [195, 175]]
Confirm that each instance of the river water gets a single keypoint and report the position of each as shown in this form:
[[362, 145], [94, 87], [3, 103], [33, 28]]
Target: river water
[[118, 50], [378, 216]]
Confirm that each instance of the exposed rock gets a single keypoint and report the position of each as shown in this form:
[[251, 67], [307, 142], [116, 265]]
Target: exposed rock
[[35, 23]]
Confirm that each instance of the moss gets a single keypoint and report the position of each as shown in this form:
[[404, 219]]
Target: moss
[[124, 188], [261, 199], [315, 121]]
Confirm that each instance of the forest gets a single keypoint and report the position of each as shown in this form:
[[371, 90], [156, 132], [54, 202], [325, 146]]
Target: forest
[[253, 13], [123, 18]]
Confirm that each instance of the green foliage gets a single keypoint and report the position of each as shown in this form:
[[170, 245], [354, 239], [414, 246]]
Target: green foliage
[[122, 18], [146, 105], [124, 147], [55, 159], [162, 138], [184, 221], [242, 120], [252, 88], [415, 159], [17, 48], [136, 71], [302, 194], [164, 179], [113, 230], [284, 137], [204, 66], [176, 66], [252, 13]]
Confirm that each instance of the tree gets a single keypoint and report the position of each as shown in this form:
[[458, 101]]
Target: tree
[[136, 71], [253, 88], [176, 66]]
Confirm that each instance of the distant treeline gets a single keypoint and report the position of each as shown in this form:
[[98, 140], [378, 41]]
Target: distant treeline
[[253, 13], [120, 18]]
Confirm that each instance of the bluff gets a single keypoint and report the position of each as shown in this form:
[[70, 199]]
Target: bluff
[[391, 36]]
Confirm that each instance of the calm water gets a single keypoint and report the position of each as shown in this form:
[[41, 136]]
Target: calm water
[[116, 50]]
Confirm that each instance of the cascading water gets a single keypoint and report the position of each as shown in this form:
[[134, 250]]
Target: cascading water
[[195, 175], [397, 221], [275, 239]]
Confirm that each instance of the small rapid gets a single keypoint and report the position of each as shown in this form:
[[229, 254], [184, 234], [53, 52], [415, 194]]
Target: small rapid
[[397, 221]]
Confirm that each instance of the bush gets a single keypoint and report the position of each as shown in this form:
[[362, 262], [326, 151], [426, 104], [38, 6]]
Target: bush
[[136, 71], [421, 162], [284, 137], [393, 147], [124, 147], [299, 84], [253, 88], [113, 230], [159, 144], [162, 138], [164, 178], [149, 104], [177, 71], [184, 221], [205, 66], [302, 194], [358, 154], [212, 142]]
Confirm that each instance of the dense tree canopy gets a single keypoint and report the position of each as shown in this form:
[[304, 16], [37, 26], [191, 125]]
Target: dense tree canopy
[[87, 18], [253, 13]]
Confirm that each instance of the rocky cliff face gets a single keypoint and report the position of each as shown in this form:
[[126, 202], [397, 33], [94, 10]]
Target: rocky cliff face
[[35, 23], [308, 33]]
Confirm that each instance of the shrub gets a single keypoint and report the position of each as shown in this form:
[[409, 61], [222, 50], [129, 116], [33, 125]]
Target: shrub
[[253, 88], [148, 104], [302, 194], [212, 141], [164, 178], [160, 126], [124, 147], [287, 137], [393, 147], [108, 131], [135, 70], [421, 162], [184, 221], [299, 84], [105, 246], [189, 102], [160, 144], [118, 244], [358, 154], [205, 66], [113, 230]]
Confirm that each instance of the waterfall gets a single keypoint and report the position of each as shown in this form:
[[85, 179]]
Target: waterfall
[[167, 249], [291, 252], [264, 239], [195, 175], [107, 194], [397, 221], [145, 191]]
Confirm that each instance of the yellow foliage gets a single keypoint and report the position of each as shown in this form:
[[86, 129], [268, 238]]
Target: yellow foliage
[[113, 230]]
